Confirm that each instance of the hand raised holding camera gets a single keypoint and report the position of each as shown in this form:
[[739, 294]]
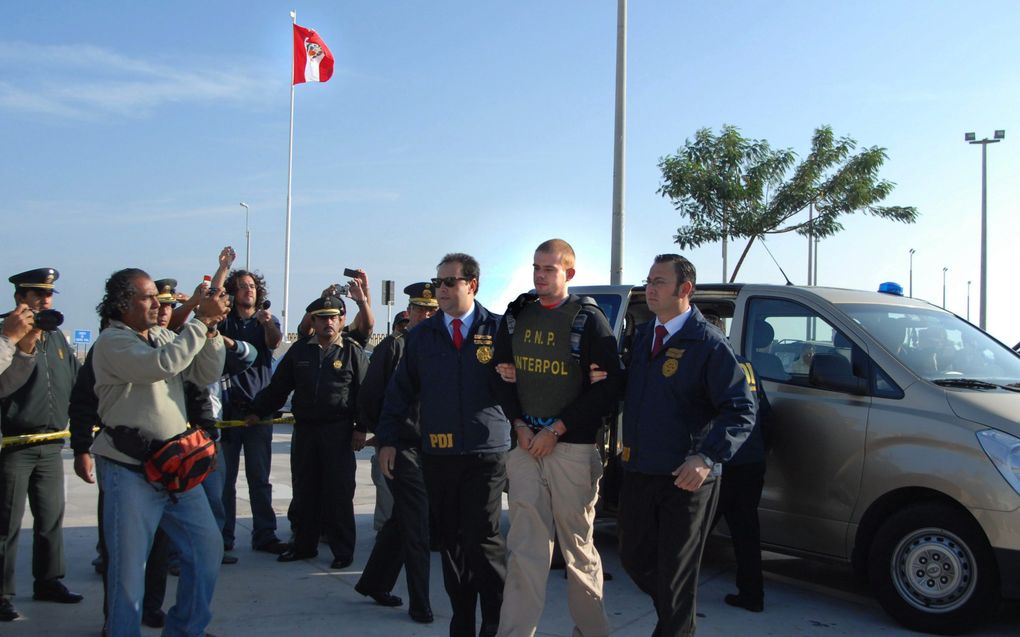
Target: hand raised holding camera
[[19, 323], [212, 309], [227, 256]]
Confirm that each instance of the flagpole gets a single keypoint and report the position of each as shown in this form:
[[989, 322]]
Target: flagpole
[[290, 172]]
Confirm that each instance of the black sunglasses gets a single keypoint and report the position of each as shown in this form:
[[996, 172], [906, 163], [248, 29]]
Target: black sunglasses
[[448, 281]]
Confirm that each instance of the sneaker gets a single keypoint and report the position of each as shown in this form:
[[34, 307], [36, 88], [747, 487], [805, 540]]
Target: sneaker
[[7, 612]]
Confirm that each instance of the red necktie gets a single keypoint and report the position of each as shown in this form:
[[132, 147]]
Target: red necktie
[[660, 335], [458, 338]]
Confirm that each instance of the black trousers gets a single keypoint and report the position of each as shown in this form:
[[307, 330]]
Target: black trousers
[[465, 496], [36, 473], [323, 466], [404, 540], [662, 531], [739, 495], [156, 567]]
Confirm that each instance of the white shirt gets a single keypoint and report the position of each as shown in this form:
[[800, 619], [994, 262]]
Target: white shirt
[[466, 322], [672, 326]]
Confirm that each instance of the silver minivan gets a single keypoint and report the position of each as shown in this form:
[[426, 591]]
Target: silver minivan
[[895, 442]]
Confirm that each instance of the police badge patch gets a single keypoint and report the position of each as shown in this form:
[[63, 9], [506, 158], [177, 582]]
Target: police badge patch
[[669, 367], [337, 364], [484, 354]]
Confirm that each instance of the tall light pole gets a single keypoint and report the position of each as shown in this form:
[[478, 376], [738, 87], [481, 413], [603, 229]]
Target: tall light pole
[[619, 145], [944, 270], [911, 282], [968, 300], [983, 283], [247, 239]]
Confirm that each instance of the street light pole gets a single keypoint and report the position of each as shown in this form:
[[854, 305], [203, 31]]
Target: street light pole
[[968, 300], [619, 145], [911, 283], [983, 283], [944, 270], [247, 239]]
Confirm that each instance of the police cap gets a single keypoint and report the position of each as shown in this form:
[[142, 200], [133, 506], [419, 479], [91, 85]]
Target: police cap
[[327, 306], [166, 289], [422, 294], [38, 279]]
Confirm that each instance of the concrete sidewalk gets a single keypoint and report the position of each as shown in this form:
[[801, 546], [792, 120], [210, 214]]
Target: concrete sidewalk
[[260, 597]]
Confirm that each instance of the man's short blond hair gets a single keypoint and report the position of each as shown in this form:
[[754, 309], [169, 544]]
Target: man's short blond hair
[[560, 247]]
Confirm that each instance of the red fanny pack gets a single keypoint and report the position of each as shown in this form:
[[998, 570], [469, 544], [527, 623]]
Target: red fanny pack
[[182, 462]]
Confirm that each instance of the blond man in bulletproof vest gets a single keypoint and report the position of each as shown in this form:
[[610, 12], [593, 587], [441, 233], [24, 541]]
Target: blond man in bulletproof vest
[[545, 345]]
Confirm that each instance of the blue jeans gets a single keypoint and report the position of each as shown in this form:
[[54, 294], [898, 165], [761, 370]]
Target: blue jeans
[[132, 509], [213, 485], [257, 443]]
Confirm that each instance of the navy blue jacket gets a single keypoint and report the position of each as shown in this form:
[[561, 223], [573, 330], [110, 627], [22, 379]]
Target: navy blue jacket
[[694, 386], [753, 449], [454, 389]]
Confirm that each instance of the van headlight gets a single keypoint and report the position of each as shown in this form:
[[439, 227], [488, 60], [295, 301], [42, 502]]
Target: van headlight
[[1004, 452]]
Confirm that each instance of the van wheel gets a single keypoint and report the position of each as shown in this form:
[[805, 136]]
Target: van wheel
[[933, 570]]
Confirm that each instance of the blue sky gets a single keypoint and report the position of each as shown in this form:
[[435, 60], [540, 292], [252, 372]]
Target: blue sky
[[133, 130]]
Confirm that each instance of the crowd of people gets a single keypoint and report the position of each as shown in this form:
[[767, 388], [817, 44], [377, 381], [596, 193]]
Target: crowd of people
[[460, 403]]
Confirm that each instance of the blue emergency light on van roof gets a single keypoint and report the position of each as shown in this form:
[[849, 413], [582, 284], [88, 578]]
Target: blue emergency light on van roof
[[890, 287]]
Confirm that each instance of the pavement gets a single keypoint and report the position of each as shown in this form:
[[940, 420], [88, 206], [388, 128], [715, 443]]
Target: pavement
[[260, 597]]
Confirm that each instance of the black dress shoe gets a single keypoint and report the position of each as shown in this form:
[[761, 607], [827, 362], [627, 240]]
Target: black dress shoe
[[55, 591], [228, 559], [294, 556], [422, 616], [7, 612], [383, 599], [747, 603], [154, 618], [342, 562], [274, 546]]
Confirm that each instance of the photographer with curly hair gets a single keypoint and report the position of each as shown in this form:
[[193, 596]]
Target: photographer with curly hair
[[249, 320]]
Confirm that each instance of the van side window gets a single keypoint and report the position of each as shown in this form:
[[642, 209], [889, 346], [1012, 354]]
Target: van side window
[[791, 343]]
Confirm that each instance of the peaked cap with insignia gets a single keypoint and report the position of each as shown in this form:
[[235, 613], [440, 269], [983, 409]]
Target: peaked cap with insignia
[[165, 291], [422, 294], [38, 279], [327, 306]]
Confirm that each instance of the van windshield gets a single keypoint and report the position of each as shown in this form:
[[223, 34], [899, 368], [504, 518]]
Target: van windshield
[[938, 346]]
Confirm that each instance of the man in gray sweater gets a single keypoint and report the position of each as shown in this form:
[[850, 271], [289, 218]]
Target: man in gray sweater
[[140, 372]]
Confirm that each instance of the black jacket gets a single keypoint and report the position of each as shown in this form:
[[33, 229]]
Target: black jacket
[[326, 386]]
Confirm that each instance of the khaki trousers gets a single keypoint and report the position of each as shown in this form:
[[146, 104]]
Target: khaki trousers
[[553, 497]]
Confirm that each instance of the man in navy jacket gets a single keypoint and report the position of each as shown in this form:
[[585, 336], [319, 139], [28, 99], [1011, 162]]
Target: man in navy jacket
[[448, 373], [687, 409]]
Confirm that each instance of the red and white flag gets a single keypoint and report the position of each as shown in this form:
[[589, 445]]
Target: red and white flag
[[312, 60]]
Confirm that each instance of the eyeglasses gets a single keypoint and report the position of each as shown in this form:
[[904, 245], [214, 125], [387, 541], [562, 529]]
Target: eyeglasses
[[448, 281], [245, 286]]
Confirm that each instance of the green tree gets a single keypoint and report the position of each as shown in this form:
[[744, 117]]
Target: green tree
[[731, 187]]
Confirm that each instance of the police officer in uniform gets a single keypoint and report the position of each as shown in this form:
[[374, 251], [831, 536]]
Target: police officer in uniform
[[39, 406], [325, 371], [687, 409], [403, 539], [448, 374]]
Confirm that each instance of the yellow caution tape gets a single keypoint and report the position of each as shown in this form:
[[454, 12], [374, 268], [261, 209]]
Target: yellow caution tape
[[225, 424], [28, 439]]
